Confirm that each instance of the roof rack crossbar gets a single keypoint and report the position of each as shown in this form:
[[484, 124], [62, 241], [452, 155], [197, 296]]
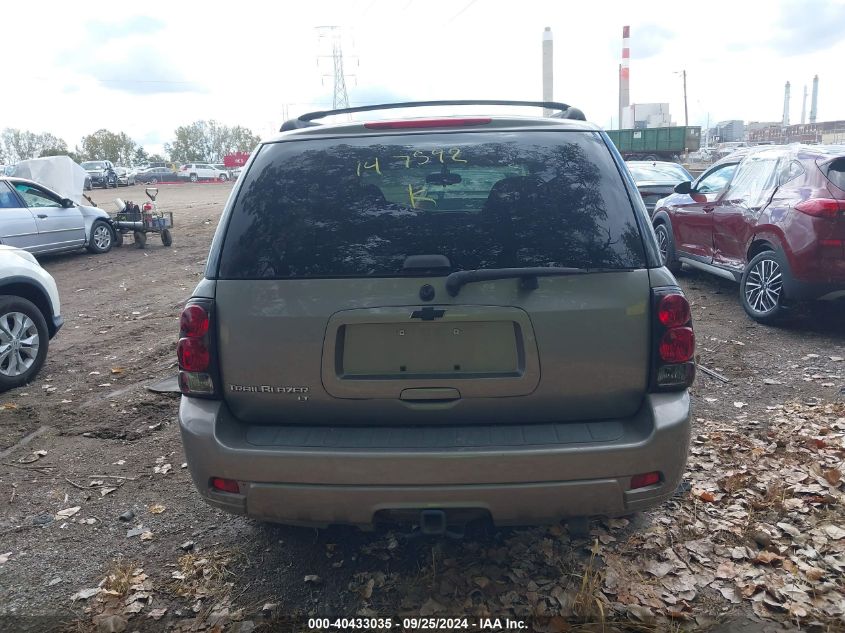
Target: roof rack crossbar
[[564, 111]]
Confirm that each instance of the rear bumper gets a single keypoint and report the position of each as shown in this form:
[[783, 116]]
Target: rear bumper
[[520, 474]]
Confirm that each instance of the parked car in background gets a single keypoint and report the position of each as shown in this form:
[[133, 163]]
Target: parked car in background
[[202, 171], [772, 219], [37, 219], [102, 173], [156, 175], [656, 179], [29, 316], [7, 170], [469, 330], [125, 176]]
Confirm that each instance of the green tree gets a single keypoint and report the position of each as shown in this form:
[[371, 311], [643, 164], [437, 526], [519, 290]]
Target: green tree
[[17, 145], [209, 141], [140, 157], [104, 145]]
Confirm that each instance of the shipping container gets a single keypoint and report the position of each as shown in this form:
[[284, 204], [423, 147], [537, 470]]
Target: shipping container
[[656, 143]]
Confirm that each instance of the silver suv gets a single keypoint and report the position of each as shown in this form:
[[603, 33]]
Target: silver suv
[[202, 171], [436, 321]]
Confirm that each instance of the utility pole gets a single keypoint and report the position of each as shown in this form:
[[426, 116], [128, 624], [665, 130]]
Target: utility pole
[[340, 96], [686, 114]]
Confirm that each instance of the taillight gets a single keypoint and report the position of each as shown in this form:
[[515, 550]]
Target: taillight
[[645, 480], [821, 207], [677, 345], [426, 123], [225, 485], [673, 310], [197, 368], [673, 356]]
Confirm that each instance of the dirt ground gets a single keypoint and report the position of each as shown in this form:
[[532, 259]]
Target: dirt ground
[[87, 434]]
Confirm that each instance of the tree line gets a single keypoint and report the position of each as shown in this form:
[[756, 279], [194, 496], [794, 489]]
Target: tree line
[[201, 141]]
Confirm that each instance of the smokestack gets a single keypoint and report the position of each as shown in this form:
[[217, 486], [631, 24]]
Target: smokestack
[[786, 104], [814, 102], [548, 68], [804, 107], [624, 74]]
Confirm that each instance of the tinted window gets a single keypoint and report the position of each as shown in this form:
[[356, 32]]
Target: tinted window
[[8, 200], [359, 208], [716, 181], [835, 172]]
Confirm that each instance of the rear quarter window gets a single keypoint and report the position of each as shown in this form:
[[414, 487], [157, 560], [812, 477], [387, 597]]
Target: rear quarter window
[[835, 172], [360, 206]]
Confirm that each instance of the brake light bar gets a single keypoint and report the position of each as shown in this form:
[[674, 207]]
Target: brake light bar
[[673, 354], [195, 351], [426, 123]]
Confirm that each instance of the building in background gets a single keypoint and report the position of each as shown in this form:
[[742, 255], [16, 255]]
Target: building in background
[[645, 115], [727, 131], [828, 133]]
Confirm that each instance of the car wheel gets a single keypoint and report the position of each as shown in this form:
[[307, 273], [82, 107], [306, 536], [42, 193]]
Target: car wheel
[[23, 341], [223, 178], [166, 237], [102, 237], [87, 186], [666, 248], [194, 178], [153, 180], [761, 288]]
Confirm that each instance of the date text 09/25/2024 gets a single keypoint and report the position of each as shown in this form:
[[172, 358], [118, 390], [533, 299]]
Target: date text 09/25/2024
[[416, 624]]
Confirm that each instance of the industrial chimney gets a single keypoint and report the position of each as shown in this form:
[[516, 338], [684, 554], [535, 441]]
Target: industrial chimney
[[786, 105], [804, 107], [548, 68], [814, 102], [624, 74]]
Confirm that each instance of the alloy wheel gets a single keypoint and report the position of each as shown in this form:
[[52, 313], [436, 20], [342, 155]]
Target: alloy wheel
[[764, 286], [663, 245], [19, 343], [102, 237]]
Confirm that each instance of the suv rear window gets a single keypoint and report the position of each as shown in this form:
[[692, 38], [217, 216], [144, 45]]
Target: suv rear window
[[360, 206]]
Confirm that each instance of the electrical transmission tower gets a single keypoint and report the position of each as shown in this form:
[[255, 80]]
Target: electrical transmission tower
[[334, 35]]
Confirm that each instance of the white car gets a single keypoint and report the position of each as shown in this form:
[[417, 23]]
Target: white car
[[29, 316], [202, 171], [39, 220]]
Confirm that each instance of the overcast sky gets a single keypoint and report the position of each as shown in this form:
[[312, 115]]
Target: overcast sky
[[146, 68]]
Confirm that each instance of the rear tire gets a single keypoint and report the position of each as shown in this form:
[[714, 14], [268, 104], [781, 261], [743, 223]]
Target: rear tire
[[32, 341], [666, 246], [194, 178], [166, 237], [761, 289], [102, 238]]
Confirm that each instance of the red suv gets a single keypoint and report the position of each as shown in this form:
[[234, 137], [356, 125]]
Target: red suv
[[772, 219]]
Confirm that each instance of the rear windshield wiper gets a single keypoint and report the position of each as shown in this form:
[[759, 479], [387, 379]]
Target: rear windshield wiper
[[526, 276]]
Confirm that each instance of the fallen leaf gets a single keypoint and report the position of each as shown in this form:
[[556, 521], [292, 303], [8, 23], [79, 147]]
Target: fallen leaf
[[367, 590], [767, 558], [815, 574], [84, 594], [5, 557], [147, 536], [67, 512], [659, 569], [117, 370], [704, 495], [430, 607], [834, 531], [726, 571], [313, 579], [833, 476], [9, 406], [105, 491], [157, 508], [157, 614], [739, 405]]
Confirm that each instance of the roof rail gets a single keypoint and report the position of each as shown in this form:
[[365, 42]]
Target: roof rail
[[307, 120]]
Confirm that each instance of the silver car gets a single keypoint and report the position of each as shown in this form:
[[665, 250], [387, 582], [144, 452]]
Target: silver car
[[37, 219], [436, 321]]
